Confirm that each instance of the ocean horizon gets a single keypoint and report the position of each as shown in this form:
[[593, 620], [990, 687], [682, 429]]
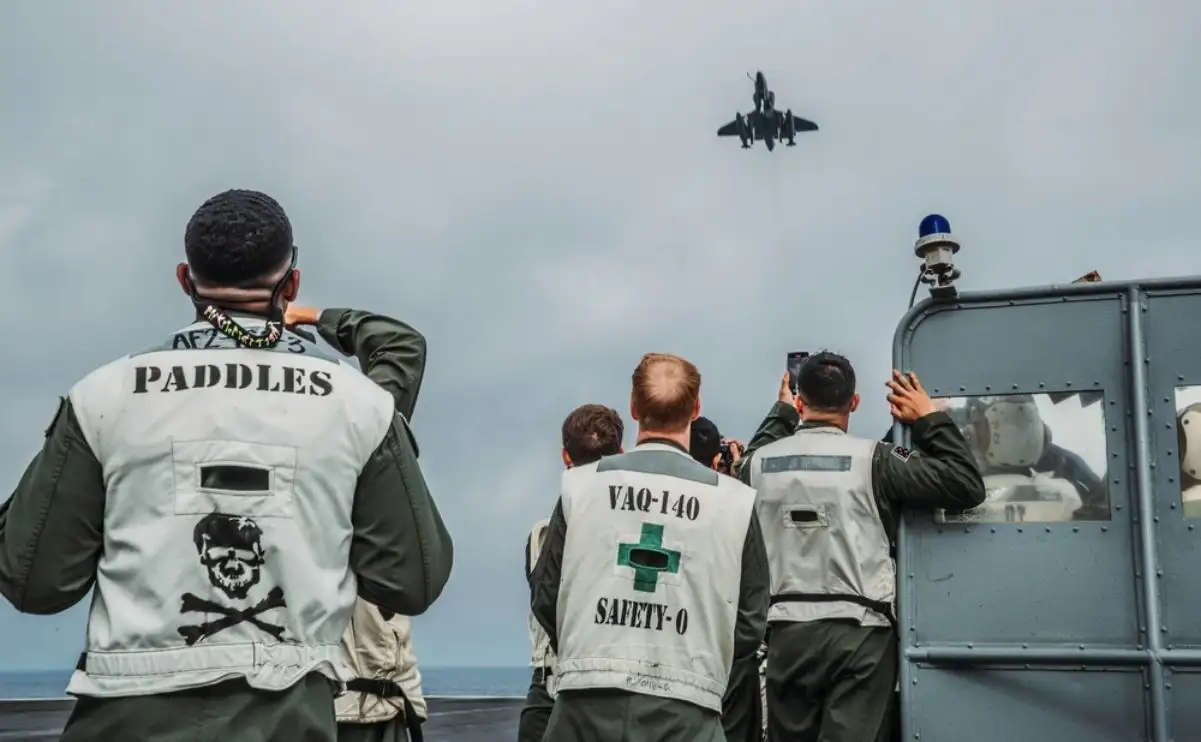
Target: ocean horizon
[[435, 681]]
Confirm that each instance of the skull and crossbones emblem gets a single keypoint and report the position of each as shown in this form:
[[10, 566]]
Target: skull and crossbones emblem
[[231, 551]]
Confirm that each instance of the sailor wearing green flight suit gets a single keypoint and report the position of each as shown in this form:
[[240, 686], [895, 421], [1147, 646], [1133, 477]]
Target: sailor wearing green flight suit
[[590, 432], [222, 490], [828, 504], [652, 582]]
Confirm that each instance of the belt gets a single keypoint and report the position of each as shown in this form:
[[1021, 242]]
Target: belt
[[389, 689], [541, 674], [879, 606]]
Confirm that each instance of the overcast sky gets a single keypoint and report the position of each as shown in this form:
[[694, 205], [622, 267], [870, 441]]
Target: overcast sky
[[537, 187]]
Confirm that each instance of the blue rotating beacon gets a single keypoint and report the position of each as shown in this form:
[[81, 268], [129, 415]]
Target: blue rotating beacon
[[936, 246]]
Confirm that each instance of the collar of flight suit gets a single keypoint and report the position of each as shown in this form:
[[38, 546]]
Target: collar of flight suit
[[662, 444], [822, 425]]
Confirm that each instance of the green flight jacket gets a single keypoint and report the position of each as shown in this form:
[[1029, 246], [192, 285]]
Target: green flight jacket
[[51, 538], [673, 719], [942, 473]]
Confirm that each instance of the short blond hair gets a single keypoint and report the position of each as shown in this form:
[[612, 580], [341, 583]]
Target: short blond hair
[[666, 389]]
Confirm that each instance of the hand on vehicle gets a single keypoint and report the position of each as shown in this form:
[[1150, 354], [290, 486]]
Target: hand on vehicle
[[908, 401]]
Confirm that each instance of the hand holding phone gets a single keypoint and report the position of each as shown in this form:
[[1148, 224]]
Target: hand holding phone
[[795, 359]]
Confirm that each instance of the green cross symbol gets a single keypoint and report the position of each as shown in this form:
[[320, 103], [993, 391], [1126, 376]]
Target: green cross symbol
[[646, 579]]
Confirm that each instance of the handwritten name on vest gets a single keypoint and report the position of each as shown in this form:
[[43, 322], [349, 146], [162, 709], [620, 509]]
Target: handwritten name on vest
[[639, 614], [261, 377], [643, 500]]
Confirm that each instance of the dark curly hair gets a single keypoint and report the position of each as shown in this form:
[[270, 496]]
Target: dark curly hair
[[238, 238], [591, 432], [826, 382]]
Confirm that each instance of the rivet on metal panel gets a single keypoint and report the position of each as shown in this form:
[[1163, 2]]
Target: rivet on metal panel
[[1015, 386], [1191, 526], [1048, 529], [1158, 572], [1114, 454], [970, 645], [1019, 530], [1168, 425], [1081, 646], [1179, 378], [1075, 529], [992, 530], [988, 388], [936, 390], [1067, 383], [911, 575], [1025, 646], [1104, 529], [1142, 629], [1168, 400], [1171, 506], [1155, 519], [1163, 629], [1117, 507], [1111, 402], [1041, 385], [963, 389], [1167, 685], [1113, 428], [1152, 464]]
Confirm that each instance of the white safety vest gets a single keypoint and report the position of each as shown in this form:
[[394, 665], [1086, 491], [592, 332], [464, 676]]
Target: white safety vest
[[542, 655], [822, 526], [380, 649], [652, 572], [230, 476]]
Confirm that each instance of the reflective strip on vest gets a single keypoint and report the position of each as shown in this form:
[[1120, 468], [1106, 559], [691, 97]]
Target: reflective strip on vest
[[822, 528], [652, 570], [231, 474]]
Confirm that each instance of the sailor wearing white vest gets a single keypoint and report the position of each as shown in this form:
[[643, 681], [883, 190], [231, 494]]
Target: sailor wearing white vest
[[228, 491], [590, 432], [828, 504], [652, 581], [385, 702]]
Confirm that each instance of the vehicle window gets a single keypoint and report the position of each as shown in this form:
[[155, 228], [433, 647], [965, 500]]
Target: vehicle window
[[1043, 456]]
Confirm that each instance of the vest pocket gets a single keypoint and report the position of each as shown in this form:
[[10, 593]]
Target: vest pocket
[[233, 477]]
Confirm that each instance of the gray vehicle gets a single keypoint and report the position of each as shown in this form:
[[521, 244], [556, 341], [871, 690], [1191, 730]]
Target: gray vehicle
[[1037, 618]]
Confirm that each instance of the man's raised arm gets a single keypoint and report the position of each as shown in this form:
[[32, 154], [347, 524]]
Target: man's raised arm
[[401, 550]]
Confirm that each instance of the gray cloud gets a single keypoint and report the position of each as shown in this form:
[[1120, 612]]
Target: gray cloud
[[538, 188]]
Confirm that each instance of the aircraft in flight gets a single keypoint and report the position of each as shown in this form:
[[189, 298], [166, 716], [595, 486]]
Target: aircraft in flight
[[766, 123]]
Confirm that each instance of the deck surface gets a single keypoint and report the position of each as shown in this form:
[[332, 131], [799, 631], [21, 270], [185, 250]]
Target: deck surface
[[451, 719]]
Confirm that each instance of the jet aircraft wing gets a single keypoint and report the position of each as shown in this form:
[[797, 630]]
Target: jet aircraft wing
[[803, 124], [729, 130]]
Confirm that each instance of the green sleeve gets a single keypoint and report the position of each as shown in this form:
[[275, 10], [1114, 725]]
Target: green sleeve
[[401, 550], [741, 705], [943, 474], [51, 529], [781, 422], [390, 352], [544, 590]]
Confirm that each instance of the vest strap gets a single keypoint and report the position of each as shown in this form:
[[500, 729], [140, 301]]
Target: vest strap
[[877, 606], [389, 689]]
